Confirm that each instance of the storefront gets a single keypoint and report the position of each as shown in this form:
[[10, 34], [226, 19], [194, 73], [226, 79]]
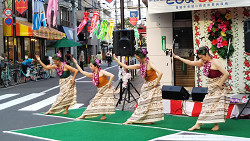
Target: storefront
[[29, 42], [191, 33]]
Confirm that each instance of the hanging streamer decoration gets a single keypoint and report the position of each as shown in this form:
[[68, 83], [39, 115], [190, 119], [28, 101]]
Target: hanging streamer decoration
[[38, 15], [110, 29], [83, 23], [96, 29], [103, 30], [136, 32], [94, 21]]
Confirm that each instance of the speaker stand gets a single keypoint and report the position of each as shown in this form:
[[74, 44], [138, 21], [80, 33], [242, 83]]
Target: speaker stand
[[126, 90]]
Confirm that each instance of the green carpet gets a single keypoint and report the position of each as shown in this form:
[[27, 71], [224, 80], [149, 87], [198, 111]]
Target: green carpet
[[86, 130], [91, 131]]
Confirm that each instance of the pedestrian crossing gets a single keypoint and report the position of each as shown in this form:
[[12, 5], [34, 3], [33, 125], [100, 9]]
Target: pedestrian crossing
[[33, 107]]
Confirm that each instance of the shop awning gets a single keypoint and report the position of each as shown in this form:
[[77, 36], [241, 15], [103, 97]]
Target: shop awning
[[24, 28]]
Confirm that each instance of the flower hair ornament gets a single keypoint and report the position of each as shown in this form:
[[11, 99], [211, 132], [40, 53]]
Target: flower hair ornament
[[97, 62], [144, 51], [207, 48], [58, 55]]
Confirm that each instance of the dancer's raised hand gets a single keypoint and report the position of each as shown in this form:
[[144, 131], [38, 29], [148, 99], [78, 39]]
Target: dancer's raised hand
[[175, 56], [74, 60], [114, 56], [37, 58]]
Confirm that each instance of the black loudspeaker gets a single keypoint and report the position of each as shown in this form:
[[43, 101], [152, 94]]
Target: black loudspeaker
[[174, 92], [123, 42], [198, 93], [247, 35]]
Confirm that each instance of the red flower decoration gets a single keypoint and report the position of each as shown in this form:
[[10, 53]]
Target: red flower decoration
[[226, 23], [196, 18], [215, 56], [197, 33], [246, 87], [246, 72], [246, 13], [247, 53], [214, 42], [215, 51], [246, 63], [230, 77], [248, 78], [229, 71], [216, 29], [196, 28], [197, 42], [224, 43]]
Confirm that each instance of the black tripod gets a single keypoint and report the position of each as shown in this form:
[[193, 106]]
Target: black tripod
[[243, 107], [125, 90]]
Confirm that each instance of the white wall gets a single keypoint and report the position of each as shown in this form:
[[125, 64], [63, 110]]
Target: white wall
[[159, 25]]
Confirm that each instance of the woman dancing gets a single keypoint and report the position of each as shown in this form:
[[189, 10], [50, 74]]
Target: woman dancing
[[103, 102], [215, 103], [67, 95], [150, 108]]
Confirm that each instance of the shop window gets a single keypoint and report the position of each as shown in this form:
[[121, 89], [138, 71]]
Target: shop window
[[27, 48], [37, 47]]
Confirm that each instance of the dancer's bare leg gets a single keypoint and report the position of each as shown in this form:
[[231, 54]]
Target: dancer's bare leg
[[216, 127], [81, 117], [103, 117], [66, 110], [48, 113], [149, 123], [127, 122], [195, 127]]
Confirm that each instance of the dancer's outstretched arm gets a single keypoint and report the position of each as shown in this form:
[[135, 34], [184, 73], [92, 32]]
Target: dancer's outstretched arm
[[158, 72], [131, 67], [80, 69], [49, 67], [191, 63], [108, 74], [222, 70]]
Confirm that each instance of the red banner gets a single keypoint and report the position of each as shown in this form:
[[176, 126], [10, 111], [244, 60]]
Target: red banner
[[21, 6], [133, 17], [109, 1]]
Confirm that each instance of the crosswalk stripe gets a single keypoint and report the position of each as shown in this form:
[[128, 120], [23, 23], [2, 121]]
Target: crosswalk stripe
[[78, 105], [39, 105], [7, 96], [19, 100]]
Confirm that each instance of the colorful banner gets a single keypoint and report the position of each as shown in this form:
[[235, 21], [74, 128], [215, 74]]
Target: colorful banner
[[21, 6], [133, 17], [159, 6], [109, 1], [89, 26]]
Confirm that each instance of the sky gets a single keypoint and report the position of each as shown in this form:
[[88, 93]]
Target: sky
[[111, 6]]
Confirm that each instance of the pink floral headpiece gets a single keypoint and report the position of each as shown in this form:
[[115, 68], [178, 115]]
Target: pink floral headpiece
[[58, 55], [144, 51], [97, 62]]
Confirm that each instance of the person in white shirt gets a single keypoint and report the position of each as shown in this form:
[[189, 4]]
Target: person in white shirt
[[99, 56]]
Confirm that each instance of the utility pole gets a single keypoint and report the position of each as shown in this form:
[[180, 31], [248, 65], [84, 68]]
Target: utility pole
[[74, 49], [1, 31], [139, 10], [115, 16], [122, 13], [14, 30]]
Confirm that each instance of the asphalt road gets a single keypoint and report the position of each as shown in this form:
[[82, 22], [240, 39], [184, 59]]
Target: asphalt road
[[19, 104]]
